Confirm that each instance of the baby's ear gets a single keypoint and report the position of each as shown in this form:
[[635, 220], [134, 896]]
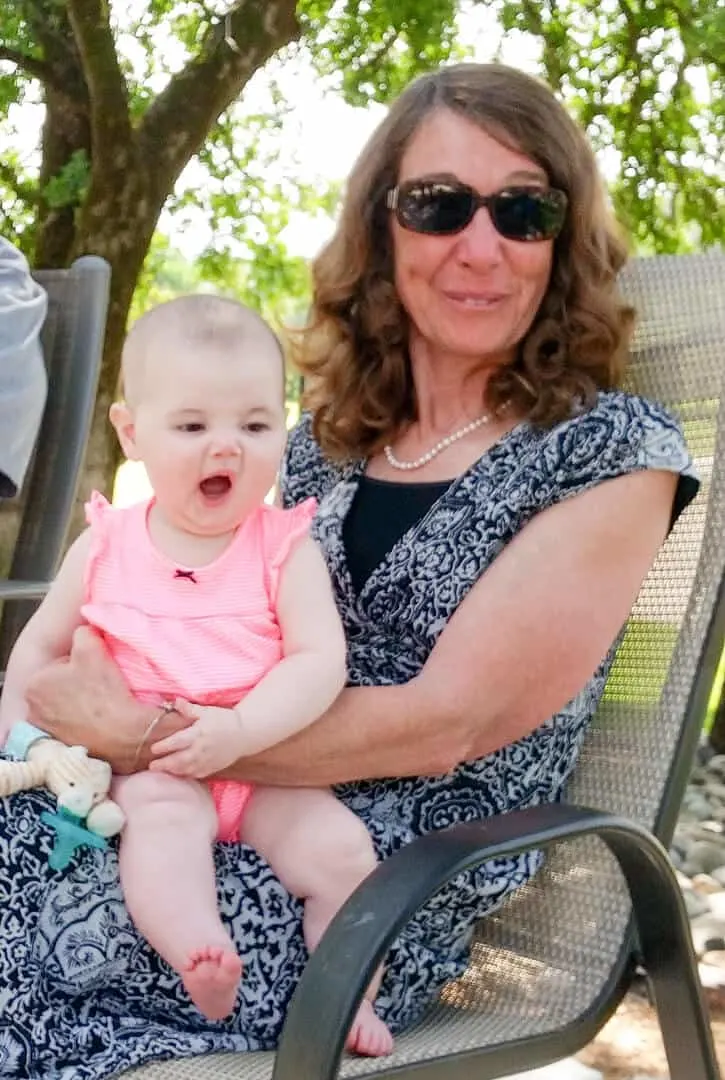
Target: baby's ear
[[122, 419]]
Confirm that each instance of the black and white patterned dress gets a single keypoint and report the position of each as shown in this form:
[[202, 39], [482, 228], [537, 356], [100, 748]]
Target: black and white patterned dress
[[82, 996]]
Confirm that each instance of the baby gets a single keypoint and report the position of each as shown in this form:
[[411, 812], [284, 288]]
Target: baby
[[206, 595]]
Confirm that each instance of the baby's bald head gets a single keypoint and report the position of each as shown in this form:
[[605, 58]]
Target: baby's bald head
[[200, 323]]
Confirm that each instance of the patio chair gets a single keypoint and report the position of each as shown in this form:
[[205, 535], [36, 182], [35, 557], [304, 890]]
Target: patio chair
[[550, 966], [72, 337]]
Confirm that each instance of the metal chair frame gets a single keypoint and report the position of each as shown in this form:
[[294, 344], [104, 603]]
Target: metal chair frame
[[72, 338]]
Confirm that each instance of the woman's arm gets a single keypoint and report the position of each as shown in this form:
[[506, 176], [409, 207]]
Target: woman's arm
[[83, 700], [525, 640]]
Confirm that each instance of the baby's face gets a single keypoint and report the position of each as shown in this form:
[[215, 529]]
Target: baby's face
[[210, 429]]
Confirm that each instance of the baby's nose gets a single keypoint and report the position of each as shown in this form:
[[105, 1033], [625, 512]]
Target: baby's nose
[[225, 444]]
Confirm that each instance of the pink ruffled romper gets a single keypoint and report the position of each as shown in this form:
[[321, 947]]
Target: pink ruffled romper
[[207, 634]]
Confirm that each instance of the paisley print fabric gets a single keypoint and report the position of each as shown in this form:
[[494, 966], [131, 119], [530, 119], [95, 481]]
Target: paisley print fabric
[[81, 995]]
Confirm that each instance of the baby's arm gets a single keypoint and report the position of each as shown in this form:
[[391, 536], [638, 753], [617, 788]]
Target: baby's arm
[[47, 636], [313, 669], [297, 690]]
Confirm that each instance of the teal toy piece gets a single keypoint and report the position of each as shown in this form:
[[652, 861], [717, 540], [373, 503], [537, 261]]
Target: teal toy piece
[[70, 835]]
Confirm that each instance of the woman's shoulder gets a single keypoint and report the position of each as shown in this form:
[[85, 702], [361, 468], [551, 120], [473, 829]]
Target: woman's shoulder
[[623, 403], [306, 472], [616, 434], [623, 427]]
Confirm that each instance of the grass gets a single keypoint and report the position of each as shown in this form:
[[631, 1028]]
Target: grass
[[716, 694], [641, 665]]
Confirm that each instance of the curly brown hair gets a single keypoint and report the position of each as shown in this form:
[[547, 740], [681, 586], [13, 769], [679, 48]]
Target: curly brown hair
[[353, 351]]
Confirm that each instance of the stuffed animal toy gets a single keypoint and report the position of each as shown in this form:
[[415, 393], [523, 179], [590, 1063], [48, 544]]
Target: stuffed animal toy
[[85, 815]]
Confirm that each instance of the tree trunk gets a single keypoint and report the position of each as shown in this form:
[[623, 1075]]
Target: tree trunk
[[66, 131], [117, 224]]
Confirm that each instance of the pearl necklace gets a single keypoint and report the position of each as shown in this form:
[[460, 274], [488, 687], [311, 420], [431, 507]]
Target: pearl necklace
[[439, 446]]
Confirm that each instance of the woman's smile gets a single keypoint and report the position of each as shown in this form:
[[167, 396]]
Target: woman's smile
[[474, 301]]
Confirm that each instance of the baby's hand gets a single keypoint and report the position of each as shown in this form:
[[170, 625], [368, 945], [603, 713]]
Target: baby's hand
[[212, 742]]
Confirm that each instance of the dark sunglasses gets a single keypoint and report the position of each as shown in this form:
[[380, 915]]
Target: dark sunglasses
[[440, 208]]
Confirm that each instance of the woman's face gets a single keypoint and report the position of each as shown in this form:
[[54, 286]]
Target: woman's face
[[473, 294]]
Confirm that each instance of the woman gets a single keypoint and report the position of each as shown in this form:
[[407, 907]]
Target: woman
[[489, 509]]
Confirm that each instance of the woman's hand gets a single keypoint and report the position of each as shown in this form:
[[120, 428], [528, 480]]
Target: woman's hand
[[84, 701], [211, 742]]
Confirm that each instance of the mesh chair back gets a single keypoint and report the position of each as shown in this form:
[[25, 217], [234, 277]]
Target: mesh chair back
[[72, 337], [550, 951]]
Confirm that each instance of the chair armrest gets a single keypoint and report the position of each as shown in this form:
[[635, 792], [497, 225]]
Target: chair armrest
[[23, 590], [356, 942]]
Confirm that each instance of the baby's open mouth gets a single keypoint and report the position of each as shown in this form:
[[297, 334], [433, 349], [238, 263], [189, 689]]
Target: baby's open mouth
[[213, 487]]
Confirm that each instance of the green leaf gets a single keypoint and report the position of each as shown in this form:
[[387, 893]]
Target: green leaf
[[69, 185]]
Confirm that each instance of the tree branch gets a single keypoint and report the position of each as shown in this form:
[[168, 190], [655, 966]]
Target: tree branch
[[37, 69], [231, 53], [61, 63], [110, 116]]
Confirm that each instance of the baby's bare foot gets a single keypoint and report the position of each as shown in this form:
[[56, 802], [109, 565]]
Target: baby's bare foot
[[368, 1034], [211, 977]]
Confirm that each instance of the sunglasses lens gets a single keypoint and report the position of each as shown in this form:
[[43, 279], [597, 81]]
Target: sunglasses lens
[[441, 209], [435, 208], [529, 214]]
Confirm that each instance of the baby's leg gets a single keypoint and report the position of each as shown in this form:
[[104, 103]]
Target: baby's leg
[[167, 874], [321, 852]]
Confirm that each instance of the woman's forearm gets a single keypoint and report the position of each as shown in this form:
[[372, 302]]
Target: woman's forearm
[[367, 732], [84, 701]]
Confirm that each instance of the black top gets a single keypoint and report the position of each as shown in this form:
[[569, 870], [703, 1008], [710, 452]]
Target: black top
[[381, 512]]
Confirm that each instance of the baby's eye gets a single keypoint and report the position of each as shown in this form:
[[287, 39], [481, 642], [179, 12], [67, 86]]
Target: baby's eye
[[256, 427], [190, 428]]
